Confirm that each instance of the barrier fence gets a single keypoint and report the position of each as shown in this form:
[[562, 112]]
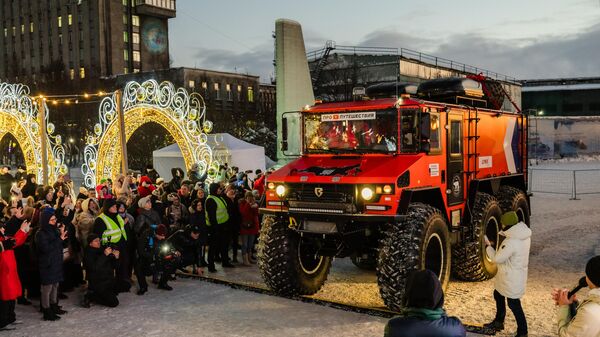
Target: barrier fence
[[564, 181]]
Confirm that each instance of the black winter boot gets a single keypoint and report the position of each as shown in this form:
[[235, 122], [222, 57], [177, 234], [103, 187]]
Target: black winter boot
[[49, 315], [57, 309], [494, 325]]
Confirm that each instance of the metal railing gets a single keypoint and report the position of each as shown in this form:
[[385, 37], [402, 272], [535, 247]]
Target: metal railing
[[564, 181], [413, 55]]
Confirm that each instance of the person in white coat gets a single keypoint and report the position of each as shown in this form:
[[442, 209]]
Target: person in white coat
[[586, 321], [512, 259]]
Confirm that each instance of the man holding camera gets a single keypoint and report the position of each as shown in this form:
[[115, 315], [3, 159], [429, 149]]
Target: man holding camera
[[586, 320], [99, 266], [155, 257]]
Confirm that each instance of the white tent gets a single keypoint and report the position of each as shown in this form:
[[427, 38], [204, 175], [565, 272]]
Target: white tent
[[226, 148]]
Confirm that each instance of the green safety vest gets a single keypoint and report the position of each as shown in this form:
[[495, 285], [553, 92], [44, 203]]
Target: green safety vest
[[113, 231], [222, 214]]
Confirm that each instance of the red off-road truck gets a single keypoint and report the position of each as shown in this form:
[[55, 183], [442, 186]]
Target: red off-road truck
[[396, 184]]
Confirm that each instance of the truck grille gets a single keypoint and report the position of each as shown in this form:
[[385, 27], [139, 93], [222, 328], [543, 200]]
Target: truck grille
[[336, 199], [334, 193]]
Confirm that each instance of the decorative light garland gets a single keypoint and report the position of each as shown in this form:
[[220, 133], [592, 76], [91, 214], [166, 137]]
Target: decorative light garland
[[19, 117], [182, 114]]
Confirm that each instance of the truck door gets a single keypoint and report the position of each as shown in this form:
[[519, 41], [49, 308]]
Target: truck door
[[455, 162]]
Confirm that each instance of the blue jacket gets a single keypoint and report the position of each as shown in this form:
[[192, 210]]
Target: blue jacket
[[50, 255], [415, 327]]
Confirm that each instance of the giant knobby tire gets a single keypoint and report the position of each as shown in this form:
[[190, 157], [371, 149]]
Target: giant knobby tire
[[513, 199], [287, 266], [469, 259], [420, 241]]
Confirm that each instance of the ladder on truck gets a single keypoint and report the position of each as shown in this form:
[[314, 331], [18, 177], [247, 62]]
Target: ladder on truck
[[472, 137]]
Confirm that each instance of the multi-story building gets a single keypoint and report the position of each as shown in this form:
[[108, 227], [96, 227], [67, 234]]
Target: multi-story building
[[563, 96], [77, 43]]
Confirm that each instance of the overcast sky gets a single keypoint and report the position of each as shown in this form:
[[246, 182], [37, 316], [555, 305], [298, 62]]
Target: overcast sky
[[521, 38]]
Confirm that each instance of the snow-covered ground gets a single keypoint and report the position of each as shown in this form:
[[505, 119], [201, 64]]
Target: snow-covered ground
[[566, 233]]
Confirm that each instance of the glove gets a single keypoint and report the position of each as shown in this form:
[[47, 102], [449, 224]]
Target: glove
[[9, 243]]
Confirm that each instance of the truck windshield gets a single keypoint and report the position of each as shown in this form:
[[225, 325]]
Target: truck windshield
[[355, 132]]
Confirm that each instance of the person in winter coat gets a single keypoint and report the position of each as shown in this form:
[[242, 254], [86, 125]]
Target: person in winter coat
[[188, 244], [84, 221], [423, 315], [512, 259], [151, 173], [150, 259], [49, 243], [217, 220], [10, 285], [147, 217], [145, 187], [30, 186], [6, 181], [73, 273], [586, 320], [198, 218], [175, 184], [235, 219], [249, 226], [21, 173], [99, 265], [110, 227]]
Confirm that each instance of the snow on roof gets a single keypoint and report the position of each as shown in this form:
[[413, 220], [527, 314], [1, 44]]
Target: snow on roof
[[584, 86]]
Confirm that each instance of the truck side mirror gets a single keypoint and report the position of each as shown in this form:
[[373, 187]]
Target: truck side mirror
[[284, 134], [425, 132]]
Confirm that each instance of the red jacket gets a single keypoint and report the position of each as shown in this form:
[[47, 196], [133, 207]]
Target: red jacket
[[249, 215], [259, 185], [145, 190], [10, 286]]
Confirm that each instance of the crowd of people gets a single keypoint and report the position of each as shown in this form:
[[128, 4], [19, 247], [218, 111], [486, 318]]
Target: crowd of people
[[54, 240]]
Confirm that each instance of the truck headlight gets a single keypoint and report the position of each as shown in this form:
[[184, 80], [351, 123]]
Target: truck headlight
[[280, 190], [366, 193]]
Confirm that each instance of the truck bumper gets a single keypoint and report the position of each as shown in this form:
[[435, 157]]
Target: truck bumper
[[337, 218]]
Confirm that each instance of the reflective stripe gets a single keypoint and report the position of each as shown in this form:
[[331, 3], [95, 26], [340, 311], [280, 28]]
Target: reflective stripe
[[222, 214], [113, 231]]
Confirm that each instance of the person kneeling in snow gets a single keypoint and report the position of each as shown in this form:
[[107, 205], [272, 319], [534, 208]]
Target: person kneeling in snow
[[424, 315], [512, 259], [99, 266], [586, 320]]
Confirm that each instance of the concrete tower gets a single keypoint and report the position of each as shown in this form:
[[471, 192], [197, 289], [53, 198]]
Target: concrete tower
[[294, 86]]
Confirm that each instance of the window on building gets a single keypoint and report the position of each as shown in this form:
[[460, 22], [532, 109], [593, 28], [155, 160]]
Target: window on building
[[228, 89], [70, 19], [217, 87], [250, 94], [135, 38], [191, 84], [125, 2], [5, 32], [204, 85], [136, 70], [239, 92], [59, 21], [82, 72], [126, 55], [14, 31], [125, 19], [125, 37], [72, 73], [125, 70], [31, 27], [136, 56], [22, 29], [135, 20]]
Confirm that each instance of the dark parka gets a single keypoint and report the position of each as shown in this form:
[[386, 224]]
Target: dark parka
[[49, 247], [424, 315], [146, 219], [188, 247], [99, 270]]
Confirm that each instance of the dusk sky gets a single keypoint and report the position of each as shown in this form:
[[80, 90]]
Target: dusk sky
[[524, 39]]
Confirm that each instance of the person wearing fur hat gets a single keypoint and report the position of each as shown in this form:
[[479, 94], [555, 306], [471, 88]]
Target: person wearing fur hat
[[99, 264], [84, 221], [512, 259], [585, 321], [423, 314], [151, 173], [10, 285], [49, 244], [110, 227]]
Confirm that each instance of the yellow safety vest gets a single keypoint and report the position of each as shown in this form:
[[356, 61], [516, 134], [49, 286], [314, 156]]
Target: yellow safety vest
[[222, 214], [113, 231]]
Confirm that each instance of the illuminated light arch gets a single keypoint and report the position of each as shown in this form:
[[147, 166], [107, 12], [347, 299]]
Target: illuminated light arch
[[180, 113], [19, 117]]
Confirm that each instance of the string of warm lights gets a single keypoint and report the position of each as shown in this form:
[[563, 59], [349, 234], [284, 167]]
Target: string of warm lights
[[73, 98]]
